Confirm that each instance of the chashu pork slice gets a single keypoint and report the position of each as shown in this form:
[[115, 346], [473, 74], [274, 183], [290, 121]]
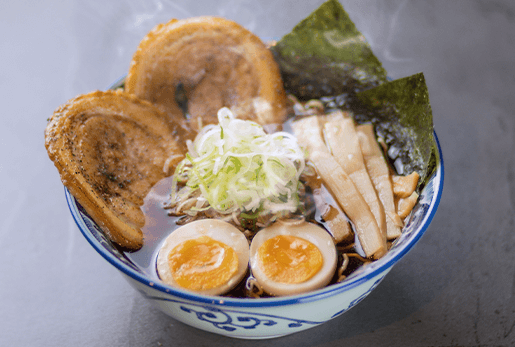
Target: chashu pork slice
[[110, 148], [202, 64]]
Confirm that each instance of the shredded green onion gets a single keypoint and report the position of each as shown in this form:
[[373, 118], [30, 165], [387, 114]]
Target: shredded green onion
[[238, 167]]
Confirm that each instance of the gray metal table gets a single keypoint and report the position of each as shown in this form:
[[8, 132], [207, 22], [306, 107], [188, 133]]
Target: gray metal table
[[455, 288]]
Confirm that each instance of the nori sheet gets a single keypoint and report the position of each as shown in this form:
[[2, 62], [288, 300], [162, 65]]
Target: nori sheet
[[401, 114], [325, 57]]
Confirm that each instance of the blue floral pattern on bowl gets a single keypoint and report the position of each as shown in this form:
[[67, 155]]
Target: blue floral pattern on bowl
[[231, 320]]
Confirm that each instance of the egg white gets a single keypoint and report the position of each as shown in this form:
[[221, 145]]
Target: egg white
[[217, 230], [308, 231]]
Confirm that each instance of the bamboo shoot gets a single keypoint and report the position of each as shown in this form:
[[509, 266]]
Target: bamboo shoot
[[335, 220], [342, 139], [352, 203], [379, 173], [404, 186], [309, 134], [405, 205]]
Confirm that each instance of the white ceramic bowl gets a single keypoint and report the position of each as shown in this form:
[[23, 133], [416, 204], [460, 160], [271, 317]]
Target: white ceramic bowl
[[267, 317]]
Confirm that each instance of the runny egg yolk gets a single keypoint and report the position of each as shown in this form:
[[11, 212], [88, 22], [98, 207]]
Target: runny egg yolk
[[289, 259], [202, 263]]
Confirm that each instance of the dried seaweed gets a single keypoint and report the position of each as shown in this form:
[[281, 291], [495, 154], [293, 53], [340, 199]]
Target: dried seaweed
[[326, 55], [401, 113]]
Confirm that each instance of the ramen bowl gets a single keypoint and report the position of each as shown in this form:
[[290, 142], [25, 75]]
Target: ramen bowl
[[267, 317]]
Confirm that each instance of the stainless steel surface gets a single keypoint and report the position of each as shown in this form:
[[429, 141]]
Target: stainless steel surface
[[455, 288]]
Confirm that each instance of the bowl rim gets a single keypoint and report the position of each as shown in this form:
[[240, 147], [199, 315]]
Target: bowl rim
[[382, 265]]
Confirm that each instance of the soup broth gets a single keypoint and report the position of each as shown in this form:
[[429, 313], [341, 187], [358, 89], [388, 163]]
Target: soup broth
[[159, 224]]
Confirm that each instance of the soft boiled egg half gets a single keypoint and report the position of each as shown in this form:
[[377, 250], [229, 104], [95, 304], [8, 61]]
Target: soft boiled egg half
[[207, 256], [290, 258]]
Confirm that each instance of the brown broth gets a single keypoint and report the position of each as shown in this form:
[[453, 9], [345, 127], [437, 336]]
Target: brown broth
[[159, 225]]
